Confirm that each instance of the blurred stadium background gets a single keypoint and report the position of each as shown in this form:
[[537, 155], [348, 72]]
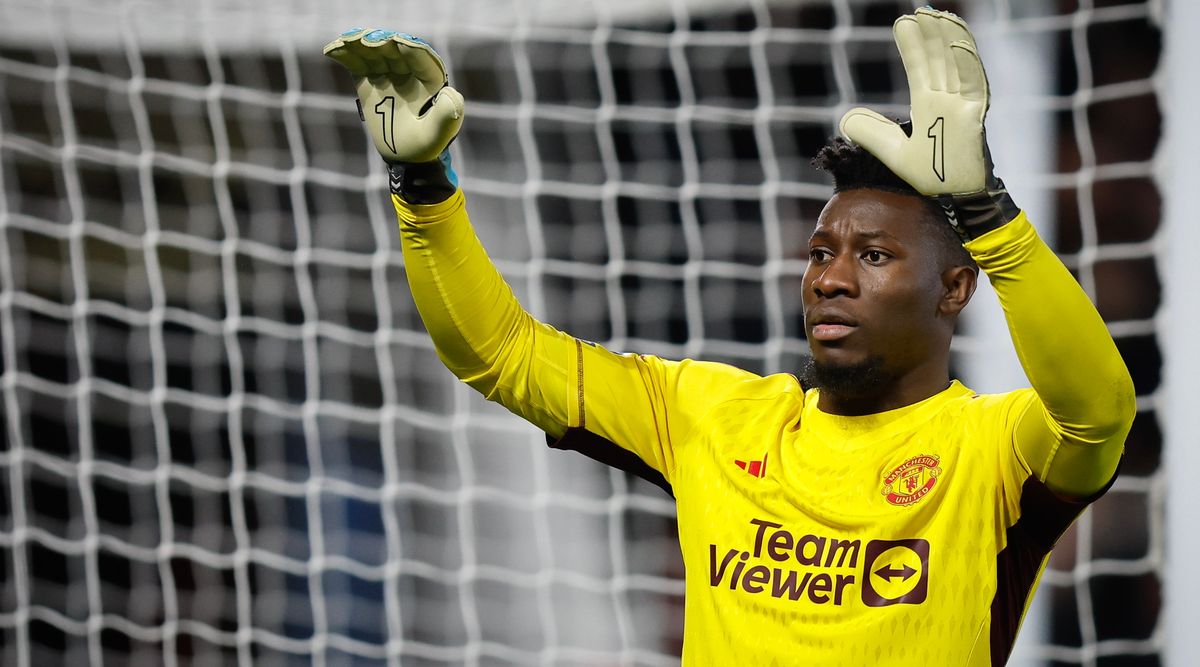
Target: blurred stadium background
[[227, 440]]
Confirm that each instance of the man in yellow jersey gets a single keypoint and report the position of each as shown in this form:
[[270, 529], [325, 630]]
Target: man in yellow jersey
[[883, 515]]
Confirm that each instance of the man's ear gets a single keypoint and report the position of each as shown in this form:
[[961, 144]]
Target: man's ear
[[958, 284]]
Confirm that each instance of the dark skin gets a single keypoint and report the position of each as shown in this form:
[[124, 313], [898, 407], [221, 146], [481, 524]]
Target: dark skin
[[878, 285]]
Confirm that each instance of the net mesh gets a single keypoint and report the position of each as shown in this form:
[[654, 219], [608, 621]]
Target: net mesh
[[227, 438]]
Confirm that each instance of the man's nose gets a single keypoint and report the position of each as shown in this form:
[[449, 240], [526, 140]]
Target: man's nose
[[836, 278]]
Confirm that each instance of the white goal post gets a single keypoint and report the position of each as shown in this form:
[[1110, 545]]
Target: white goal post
[[1181, 321]]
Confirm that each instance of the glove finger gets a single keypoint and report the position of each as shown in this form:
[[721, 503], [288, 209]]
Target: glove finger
[[388, 49], [436, 128], [422, 61], [354, 52], [882, 137], [935, 49], [953, 27], [448, 105], [972, 78], [339, 51], [348, 59], [912, 52], [446, 114]]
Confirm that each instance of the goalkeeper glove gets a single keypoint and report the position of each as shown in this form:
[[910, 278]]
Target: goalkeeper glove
[[410, 111], [943, 153]]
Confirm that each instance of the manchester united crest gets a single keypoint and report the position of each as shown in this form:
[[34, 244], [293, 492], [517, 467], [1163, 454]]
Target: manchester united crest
[[912, 480]]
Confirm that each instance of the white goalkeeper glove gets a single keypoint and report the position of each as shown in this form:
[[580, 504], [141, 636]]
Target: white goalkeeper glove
[[943, 153], [408, 106]]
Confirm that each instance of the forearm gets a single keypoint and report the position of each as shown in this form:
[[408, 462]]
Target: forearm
[[481, 332], [1063, 345], [479, 329]]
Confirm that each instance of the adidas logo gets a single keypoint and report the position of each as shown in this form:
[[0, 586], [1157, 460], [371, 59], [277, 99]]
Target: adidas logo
[[753, 468]]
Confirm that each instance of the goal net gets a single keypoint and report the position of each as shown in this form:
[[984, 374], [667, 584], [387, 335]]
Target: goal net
[[226, 436]]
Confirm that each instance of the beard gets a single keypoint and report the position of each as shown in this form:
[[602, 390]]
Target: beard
[[863, 379]]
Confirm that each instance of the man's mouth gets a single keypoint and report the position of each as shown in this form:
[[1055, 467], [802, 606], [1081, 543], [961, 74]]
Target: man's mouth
[[832, 326], [831, 331]]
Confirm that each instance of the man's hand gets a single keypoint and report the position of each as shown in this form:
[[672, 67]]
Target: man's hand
[[943, 153], [410, 111], [949, 95]]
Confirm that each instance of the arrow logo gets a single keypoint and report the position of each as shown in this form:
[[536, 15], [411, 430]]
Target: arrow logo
[[893, 564], [889, 573]]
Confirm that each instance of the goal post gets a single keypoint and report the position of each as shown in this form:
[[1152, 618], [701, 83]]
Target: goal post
[[227, 436], [1181, 321]]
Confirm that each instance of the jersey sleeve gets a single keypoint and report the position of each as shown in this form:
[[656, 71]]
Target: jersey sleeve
[[644, 404], [1071, 431]]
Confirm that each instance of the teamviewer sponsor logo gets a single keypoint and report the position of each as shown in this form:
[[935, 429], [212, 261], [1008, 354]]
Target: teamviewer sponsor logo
[[809, 567], [819, 569]]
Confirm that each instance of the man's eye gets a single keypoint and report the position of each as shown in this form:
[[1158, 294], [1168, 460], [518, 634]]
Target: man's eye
[[818, 254], [874, 256]]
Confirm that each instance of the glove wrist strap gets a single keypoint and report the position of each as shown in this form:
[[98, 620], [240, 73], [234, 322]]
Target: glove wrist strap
[[422, 183], [976, 213]]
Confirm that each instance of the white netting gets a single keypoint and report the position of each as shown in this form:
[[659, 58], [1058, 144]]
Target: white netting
[[226, 436]]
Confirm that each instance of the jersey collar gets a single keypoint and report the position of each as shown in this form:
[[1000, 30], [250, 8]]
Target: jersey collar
[[862, 430]]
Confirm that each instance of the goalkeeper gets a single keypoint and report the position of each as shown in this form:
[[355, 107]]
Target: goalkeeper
[[881, 513]]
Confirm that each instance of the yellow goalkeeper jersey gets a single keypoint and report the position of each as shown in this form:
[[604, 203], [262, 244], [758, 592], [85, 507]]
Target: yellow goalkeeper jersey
[[913, 536]]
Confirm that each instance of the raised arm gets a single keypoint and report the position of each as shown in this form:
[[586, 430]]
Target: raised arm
[[1072, 435], [481, 332]]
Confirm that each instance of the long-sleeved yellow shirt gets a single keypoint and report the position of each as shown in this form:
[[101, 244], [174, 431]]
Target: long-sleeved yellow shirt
[[811, 538]]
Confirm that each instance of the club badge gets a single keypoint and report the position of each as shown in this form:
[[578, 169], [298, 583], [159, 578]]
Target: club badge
[[912, 480]]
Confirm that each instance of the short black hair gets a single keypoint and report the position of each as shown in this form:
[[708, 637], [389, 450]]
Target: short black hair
[[854, 167]]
